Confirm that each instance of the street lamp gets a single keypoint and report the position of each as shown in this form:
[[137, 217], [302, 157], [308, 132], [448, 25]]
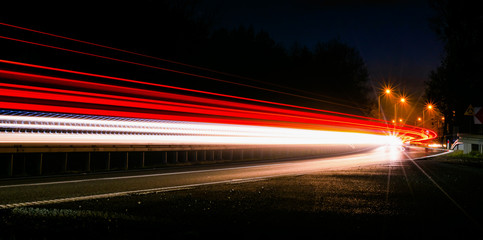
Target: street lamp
[[387, 91], [429, 107], [401, 100]]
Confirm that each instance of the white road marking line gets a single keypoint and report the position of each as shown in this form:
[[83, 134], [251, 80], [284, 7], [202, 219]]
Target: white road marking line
[[125, 193], [146, 191], [138, 176], [328, 160]]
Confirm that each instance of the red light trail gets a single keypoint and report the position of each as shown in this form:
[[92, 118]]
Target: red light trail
[[120, 102], [69, 95], [163, 60], [149, 66]]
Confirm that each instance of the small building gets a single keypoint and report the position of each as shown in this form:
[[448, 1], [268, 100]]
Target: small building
[[470, 142]]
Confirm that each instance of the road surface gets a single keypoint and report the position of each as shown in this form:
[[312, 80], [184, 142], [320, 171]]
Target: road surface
[[38, 191]]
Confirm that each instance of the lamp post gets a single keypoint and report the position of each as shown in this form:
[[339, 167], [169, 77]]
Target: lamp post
[[401, 100], [429, 107], [387, 91]]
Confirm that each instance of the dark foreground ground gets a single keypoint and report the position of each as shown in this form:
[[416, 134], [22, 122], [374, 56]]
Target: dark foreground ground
[[426, 199]]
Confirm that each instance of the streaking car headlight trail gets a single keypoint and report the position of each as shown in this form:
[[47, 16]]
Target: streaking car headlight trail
[[29, 127]]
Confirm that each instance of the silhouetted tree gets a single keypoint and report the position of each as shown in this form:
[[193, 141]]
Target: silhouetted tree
[[342, 71], [458, 81], [333, 71]]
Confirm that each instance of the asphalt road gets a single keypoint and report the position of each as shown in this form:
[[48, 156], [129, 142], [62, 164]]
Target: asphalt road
[[380, 194], [38, 191]]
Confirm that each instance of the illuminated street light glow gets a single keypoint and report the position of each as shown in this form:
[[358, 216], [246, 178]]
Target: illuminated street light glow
[[387, 91]]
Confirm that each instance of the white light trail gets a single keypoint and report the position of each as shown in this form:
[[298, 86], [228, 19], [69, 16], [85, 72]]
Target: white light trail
[[42, 129]]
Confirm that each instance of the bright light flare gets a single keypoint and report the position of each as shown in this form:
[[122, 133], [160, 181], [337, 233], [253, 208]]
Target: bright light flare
[[393, 148], [394, 141], [435, 145], [386, 89]]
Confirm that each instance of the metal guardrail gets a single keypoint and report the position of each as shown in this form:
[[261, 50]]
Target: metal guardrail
[[37, 161]]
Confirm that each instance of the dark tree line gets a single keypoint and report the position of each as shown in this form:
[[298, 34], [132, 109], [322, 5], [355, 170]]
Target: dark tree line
[[331, 72], [458, 81]]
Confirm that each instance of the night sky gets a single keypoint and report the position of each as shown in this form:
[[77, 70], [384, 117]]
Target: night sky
[[393, 37]]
